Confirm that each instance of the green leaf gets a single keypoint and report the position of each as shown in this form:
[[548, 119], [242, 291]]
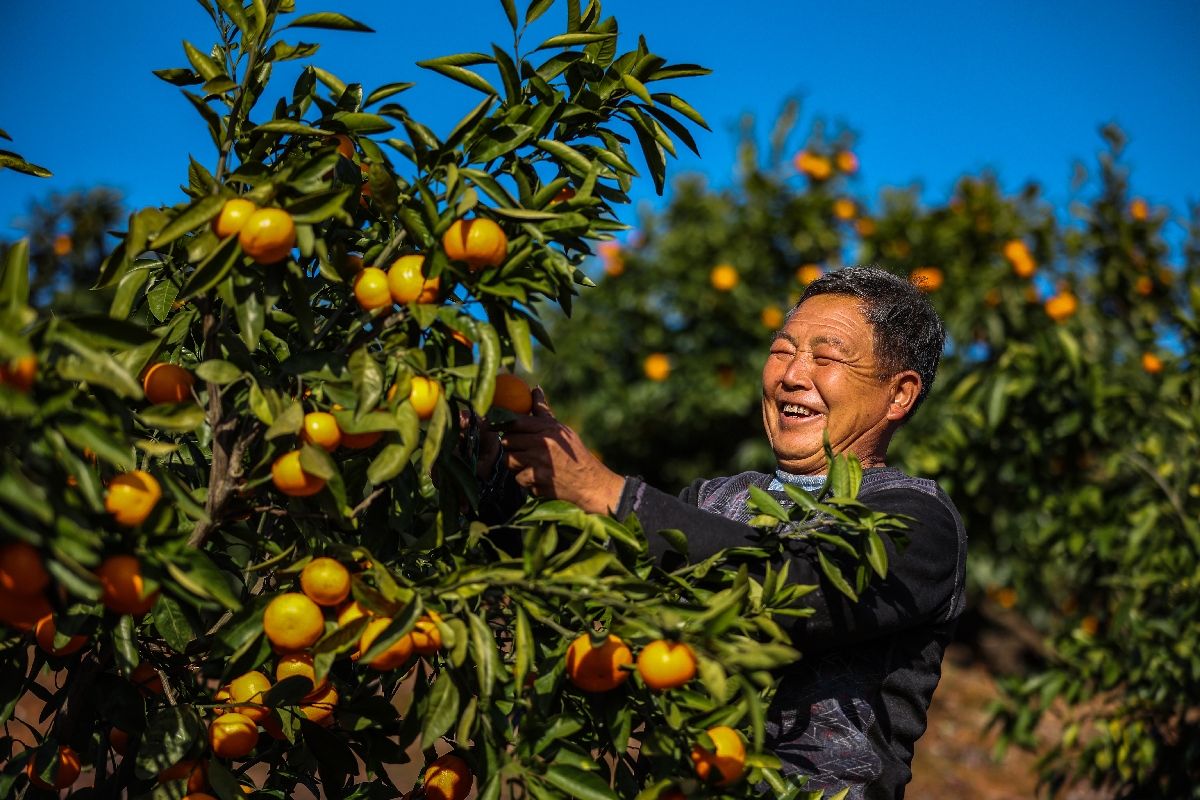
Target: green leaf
[[18, 164], [363, 123], [489, 362], [14, 289], [579, 784], [442, 710], [119, 703], [637, 88], [12, 682], [399, 626], [213, 269], [204, 66], [286, 424], [218, 372], [368, 381], [767, 504], [224, 785], [877, 554], [835, 575], [237, 15], [175, 417], [464, 76], [169, 737], [536, 9], [678, 104], [290, 126], [510, 11], [328, 20], [572, 39], [438, 425], [566, 154], [125, 649], [172, 624], [288, 692], [385, 91], [677, 539]]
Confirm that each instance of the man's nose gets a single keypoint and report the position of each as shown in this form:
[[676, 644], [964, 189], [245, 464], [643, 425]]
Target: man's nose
[[798, 374]]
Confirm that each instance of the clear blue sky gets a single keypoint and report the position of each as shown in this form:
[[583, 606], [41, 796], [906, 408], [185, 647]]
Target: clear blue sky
[[935, 89]]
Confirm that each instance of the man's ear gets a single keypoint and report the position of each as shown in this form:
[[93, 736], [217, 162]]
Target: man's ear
[[905, 389]]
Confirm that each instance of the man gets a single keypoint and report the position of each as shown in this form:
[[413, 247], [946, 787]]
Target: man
[[855, 358]]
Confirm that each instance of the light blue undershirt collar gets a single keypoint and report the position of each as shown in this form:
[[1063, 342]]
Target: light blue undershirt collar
[[809, 483]]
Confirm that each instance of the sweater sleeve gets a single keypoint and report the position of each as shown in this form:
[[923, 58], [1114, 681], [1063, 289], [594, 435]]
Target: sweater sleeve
[[920, 586]]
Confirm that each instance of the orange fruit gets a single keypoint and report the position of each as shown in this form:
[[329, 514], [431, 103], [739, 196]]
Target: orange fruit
[[426, 637], [772, 317], [844, 209], [21, 570], [927, 279], [321, 429], [846, 161], [68, 770], [293, 622], [63, 245], [1143, 286], [321, 707], [512, 393], [345, 146], [291, 479], [167, 383], [808, 273], [273, 729], [448, 778], [198, 796], [407, 283], [728, 762], [478, 242], [391, 658], [612, 258], [325, 581], [195, 770], [249, 688], [1089, 625], [146, 678], [1152, 363], [222, 696], [564, 194], [723, 278], [1062, 307], [1022, 260], [232, 735], [19, 373], [118, 740], [45, 638], [300, 664], [657, 367], [352, 263], [864, 227], [131, 497], [122, 588], [598, 669], [666, 665], [268, 235], [360, 441], [233, 216], [424, 395], [371, 289], [814, 166], [350, 612], [1139, 209]]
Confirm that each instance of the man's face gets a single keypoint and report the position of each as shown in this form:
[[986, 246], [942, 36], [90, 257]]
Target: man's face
[[822, 374]]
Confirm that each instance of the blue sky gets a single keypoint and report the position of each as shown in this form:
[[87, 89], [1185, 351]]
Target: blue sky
[[934, 89]]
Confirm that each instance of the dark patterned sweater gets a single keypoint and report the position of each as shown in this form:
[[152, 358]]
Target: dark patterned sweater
[[849, 713]]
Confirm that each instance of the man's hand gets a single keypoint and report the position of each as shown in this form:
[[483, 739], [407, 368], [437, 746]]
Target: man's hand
[[550, 460]]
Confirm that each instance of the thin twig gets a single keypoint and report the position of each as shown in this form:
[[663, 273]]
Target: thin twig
[[367, 501]]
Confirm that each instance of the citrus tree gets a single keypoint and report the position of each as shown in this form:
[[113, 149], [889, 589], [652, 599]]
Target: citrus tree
[[1063, 422], [239, 511]]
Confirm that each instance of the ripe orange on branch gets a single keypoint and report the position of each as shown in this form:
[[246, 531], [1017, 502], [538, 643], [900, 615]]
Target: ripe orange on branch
[[927, 279], [300, 664], [250, 688], [423, 395], [232, 735], [1152, 363], [291, 479], [666, 665], [21, 570], [320, 705], [146, 678], [233, 216], [729, 760], [167, 383], [478, 242], [293, 622], [723, 278], [846, 161], [19, 373], [132, 496], [67, 774], [45, 638], [122, 586], [448, 778], [512, 393], [371, 289], [268, 235], [657, 367], [426, 637], [1062, 307], [407, 283], [1022, 261], [321, 429], [325, 581], [598, 669], [816, 167], [391, 658]]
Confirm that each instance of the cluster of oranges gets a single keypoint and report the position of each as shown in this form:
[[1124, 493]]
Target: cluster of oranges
[[265, 234], [479, 243], [662, 665], [821, 168]]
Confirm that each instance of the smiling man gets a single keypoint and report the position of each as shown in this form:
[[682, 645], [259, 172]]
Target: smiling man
[[855, 359]]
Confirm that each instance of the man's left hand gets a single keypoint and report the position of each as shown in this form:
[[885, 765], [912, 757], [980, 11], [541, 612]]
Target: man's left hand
[[550, 460]]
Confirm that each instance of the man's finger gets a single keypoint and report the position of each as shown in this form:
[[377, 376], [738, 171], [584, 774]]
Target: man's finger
[[540, 407]]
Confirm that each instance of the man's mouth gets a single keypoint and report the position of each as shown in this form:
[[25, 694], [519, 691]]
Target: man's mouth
[[797, 411]]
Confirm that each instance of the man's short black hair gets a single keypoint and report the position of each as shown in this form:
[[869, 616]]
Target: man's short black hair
[[908, 332]]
